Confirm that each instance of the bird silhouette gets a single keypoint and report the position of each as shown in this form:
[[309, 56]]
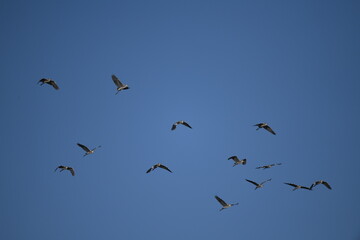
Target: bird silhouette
[[173, 127], [257, 184], [237, 161], [326, 184], [62, 168], [268, 166], [48, 81], [297, 186], [86, 149], [120, 86], [224, 204], [156, 166], [265, 126]]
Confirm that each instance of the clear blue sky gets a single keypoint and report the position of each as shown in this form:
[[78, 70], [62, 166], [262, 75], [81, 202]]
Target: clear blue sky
[[222, 66]]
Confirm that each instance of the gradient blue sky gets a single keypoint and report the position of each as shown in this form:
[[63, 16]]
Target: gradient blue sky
[[220, 65]]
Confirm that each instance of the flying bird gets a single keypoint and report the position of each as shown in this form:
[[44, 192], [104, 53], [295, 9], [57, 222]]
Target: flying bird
[[237, 161], [48, 81], [326, 184], [224, 204], [156, 166], [87, 150], [297, 186], [268, 166], [180, 122], [258, 185], [120, 86], [265, 126], [62, 168]]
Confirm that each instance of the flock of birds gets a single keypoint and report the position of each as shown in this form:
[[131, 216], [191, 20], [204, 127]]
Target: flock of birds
[[120, 86]]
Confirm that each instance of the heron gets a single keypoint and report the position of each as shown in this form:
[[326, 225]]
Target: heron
[[87, 150], [120, 86], [156, 166], [224, 204], [326, 184], [265, 126], [180, 122], [269, 166], [237, 161], [48, 81], [297, 186], [62, 168], [257, 184]]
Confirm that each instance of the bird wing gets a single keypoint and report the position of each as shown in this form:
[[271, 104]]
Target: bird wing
[[308, 188], [117, 81], [252, 182], [72, 171], [269, 129], [53, 83], [173, 126], [222, 202], [261, 167], [85, 148], [152, 168], [291, 184], [265, 181], [327, 185], [164, 167], [235, 158], [186, 124], [42, 80], [58, 167]]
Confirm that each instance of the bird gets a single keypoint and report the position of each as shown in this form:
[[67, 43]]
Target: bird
[[237, 161], [326, 184], [48, 81], [86, 149], [297, 186], [224, 204], [156, 166], [265, 126], [62, 168], [180, 122], [268, 166], [119, 85], [258, 185]]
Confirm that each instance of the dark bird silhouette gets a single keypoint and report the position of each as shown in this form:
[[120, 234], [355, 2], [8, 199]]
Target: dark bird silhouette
[[297, 186], [180, 122], [120, 86], [237, 161], [268, 166], [156, 166], [265, 126], [326, 184], [224, 204], [87, 150], [62, 168], [48, 81], [257, 184]]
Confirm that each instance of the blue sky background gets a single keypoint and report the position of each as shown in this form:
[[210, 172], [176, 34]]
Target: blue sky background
[[222, 66]]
